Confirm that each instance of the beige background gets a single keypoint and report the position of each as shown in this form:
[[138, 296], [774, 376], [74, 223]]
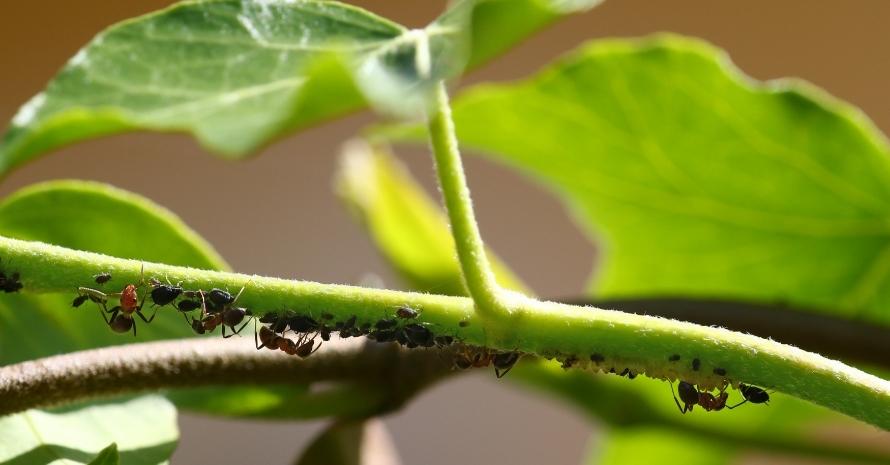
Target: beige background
[[289, 223]]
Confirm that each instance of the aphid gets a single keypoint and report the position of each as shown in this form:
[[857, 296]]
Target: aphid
[[504, 362], [752, 394], [383, 335], [86, 293], [302, 324], [164, 294], [219, 298], [325, 333], [419, 335], [188, 305], [597, 358], [463, 323], [386, 324], [719, 371], [102, 278], [696, 363], [688, 394], [10, 283], [674, 358], [444, 341], [569, 362], [406, 312]]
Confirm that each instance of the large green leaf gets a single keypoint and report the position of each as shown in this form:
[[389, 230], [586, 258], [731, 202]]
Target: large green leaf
[[238, 73], [409, 230], [97, 218], [142, 431], [699, 180]]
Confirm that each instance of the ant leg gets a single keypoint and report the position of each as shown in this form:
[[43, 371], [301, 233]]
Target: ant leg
[[497, 372], [255, 340], [242, 326], [736, 405], [148, 320], [224, 332], [242, 289], [114, 314], [134, 327], [683, 410]]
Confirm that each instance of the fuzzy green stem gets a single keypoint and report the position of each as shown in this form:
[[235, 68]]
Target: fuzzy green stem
[[476, 269], [584, 337]]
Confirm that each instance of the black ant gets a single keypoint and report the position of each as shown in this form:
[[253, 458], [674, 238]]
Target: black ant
[[752, 394], [217, 310]]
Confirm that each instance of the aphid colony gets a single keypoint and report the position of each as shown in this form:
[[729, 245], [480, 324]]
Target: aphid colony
[[690, 395], [10, 283], [288, 331]]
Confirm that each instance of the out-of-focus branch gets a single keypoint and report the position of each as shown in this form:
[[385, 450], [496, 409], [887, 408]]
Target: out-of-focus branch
[[136, 368]]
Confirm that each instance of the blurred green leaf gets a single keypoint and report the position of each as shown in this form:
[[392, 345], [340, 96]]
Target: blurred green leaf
[[653, 445], [698, 180], [108, 456], [237, 74], [141, 431], [406, 225], [99, 218], [497, 25]]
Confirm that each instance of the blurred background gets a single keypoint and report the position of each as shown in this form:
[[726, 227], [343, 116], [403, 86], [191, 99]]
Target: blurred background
[[290, 223]]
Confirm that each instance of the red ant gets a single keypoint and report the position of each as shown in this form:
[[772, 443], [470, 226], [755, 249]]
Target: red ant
[[692, 396], [303, 347]]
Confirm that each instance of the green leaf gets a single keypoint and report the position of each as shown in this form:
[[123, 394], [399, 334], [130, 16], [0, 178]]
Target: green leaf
[[141, 431], [699, 180], [98, 218], [108, 456], [497, 25], [652, 445], [237, 74], [406, 225]]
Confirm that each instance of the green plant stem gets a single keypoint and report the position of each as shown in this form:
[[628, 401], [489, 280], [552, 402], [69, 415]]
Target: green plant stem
[[476, 269], [138, 368], [573, 334]]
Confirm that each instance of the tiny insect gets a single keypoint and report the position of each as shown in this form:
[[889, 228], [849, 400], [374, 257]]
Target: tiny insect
[[406, 312], [164, 294], [720, 371], [674, 358], [504, 362], [696, 363], [102, 278], [597, 358], [752, 394]]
